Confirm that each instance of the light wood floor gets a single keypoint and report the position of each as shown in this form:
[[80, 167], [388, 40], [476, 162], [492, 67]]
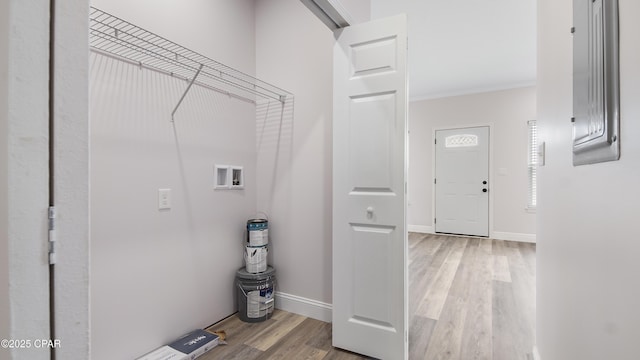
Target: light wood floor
[[470, 299]]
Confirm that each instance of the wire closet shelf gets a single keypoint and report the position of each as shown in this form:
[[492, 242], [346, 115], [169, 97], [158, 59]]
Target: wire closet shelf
[[117, 38]]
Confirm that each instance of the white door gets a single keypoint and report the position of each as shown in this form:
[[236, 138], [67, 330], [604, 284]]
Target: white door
[[462, 181], [369, 189]]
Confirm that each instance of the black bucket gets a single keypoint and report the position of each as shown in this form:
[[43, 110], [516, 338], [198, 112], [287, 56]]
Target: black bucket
[[255, 293]]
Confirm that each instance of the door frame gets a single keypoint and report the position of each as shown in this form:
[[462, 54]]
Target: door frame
[[490, 125], [69, 178]]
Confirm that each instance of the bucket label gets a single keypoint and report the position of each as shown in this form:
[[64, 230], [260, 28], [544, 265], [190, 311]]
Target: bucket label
[[259, 237], [260, 303], [266, 297], [257, 226], [255, 259], [253, 304], [257, 232]]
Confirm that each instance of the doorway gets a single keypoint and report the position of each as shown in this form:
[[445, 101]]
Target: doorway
[[461, 182]]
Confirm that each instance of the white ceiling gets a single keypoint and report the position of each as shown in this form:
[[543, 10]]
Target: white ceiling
[[466, 46]]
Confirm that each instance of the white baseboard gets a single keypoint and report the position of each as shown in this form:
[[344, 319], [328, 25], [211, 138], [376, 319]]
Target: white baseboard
[[302, 306], [420, 229], [500, 235]]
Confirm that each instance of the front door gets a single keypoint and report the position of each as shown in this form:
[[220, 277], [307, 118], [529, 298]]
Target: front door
[[462, 181], [369, 189]]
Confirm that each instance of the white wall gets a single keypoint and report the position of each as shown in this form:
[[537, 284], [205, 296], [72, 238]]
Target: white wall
[[360, 10], [158, 274], [24, 46], [295, 51], [508, 112], [587, 283]]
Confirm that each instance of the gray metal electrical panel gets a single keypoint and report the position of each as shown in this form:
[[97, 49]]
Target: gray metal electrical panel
[[596, 89]]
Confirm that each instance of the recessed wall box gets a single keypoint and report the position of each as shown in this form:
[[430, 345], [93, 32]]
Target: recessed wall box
[[221, 174], [237, 177], [596, 84]]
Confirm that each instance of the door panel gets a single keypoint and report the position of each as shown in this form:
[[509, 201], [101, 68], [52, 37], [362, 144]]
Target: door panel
[[370, 248], [369, 199], [371, 139], [462, 176]]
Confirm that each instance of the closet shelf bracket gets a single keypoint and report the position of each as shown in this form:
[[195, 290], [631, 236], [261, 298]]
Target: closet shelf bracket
[[186, 91]]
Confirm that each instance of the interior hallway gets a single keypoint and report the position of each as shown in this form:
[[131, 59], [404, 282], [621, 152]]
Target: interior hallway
[[470, 298]]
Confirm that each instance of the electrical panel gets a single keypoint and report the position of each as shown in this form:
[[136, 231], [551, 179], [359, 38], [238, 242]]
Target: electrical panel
[[596, 89]]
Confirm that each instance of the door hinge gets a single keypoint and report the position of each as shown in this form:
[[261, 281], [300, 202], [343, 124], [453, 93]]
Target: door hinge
[[435, 181], [435, 141], [52, 235], [434, 220]]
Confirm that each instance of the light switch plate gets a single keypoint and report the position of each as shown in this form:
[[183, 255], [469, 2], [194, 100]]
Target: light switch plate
[[541, 154], [164, 199]]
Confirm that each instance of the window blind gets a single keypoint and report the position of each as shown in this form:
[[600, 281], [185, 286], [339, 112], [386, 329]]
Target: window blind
[[532, 162]]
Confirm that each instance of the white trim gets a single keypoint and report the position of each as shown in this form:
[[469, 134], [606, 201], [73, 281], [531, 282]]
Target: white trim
[[24, 197], [420, 229], [503, 235], [302, 306], [498, 235], [331, 12], [473, 91], [71, 173], [463, 236]]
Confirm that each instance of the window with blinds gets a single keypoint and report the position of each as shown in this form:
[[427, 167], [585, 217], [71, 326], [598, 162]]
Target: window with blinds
[[532, 163]]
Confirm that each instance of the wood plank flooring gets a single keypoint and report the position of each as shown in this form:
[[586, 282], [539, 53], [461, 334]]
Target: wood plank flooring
[[470, 299], [484, 293], [283, 336]]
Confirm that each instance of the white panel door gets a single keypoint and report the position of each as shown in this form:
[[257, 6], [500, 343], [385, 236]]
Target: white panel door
[[462, 181], [369, 189]]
